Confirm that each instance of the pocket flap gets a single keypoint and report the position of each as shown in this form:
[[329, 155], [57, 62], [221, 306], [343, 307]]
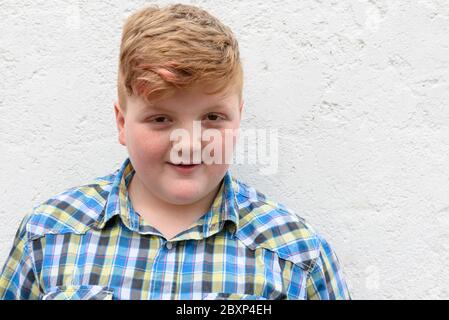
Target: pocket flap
[[231, 296], [81, 292]]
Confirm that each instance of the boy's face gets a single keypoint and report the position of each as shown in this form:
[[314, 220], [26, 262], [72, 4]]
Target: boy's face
[[147, 132]]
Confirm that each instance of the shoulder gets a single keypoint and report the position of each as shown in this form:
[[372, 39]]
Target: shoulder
[[74, 210], [264, 223]]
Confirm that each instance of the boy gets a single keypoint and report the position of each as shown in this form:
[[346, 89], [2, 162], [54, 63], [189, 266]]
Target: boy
[[166, 226]]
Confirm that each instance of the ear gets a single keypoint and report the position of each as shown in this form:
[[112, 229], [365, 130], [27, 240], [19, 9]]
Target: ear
[[120, 121]]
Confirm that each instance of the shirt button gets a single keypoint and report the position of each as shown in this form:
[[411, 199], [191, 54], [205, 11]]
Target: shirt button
[[169, 245]]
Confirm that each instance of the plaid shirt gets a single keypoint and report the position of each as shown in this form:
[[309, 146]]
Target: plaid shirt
[[89, 243]]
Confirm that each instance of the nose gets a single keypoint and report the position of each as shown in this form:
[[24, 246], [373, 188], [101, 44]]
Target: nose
[[186, 144]]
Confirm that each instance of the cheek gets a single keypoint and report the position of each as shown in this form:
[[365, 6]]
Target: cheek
[[230, 136], [219, 150], [147, 144]]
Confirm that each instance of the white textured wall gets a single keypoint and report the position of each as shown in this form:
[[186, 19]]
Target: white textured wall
[[358, 90]]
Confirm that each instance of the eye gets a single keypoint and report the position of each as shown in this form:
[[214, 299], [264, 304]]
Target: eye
[[214, 117], [160, 120]]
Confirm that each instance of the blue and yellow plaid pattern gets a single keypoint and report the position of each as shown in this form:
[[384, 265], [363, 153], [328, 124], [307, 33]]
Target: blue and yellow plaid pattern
[[89, 243]]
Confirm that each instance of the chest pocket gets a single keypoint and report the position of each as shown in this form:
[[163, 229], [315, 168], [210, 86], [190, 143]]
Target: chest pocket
[[81, 292], [231, 296]]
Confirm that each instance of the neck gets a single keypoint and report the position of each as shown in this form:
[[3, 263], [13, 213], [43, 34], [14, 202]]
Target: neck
[[158, 212]]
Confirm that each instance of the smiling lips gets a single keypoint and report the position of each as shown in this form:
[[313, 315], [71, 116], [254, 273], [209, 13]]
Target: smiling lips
[[184, 168]]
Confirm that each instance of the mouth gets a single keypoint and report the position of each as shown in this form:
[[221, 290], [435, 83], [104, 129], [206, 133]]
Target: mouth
[[185, 167]]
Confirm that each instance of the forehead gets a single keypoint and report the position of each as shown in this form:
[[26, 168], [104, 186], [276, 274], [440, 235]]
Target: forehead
[[191, 99]]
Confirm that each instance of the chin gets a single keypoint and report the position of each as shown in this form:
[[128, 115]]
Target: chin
[[182, 199], [180, 196]]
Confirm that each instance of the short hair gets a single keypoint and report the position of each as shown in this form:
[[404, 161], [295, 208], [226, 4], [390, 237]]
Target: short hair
[[176, 47]]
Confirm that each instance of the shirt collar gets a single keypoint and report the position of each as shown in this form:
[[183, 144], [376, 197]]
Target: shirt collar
[[224, 208]]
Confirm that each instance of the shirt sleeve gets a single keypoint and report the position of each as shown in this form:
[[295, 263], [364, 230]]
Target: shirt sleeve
[[17, 279], [325, 280]]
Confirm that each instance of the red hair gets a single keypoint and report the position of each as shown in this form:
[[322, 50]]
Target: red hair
[[176, 47]]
